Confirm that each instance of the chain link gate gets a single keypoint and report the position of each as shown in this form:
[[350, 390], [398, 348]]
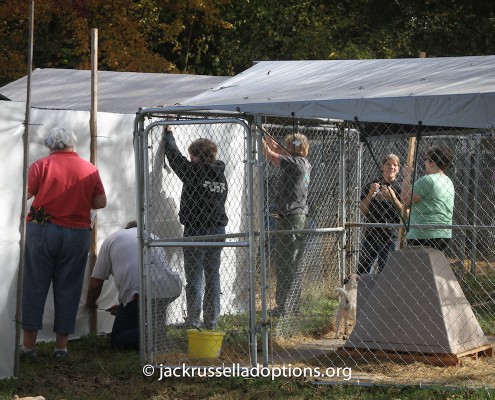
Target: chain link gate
[[442, 310], [165, 339]]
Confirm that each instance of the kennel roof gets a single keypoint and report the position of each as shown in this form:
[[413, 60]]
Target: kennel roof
[[448, 91]]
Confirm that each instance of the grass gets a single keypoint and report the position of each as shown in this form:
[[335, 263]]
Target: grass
[[480, 292], [95, 372]]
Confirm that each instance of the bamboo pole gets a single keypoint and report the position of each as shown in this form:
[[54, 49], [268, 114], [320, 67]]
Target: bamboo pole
[[410, 159], [93, 153], [25, 164]]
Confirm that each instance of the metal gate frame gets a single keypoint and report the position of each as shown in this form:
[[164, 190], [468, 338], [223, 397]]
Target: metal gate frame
[[145, 241]]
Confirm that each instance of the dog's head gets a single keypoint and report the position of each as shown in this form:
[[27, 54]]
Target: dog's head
[[351, 281]]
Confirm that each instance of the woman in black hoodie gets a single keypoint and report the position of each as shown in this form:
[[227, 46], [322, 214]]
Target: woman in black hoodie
[[202, 212]]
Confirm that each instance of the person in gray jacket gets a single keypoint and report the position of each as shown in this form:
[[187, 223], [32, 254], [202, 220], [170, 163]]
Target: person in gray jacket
[[291, 215]]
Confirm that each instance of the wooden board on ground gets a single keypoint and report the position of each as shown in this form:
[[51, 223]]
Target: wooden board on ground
[[440, 360]]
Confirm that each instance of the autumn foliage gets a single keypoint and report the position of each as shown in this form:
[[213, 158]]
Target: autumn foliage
[[224, 37]]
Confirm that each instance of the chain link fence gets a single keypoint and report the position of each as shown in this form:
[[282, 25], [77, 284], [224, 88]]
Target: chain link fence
[[416, 315], [227, 279]]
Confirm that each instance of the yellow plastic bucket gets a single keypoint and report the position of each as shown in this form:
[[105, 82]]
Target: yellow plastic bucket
[[204, 344]]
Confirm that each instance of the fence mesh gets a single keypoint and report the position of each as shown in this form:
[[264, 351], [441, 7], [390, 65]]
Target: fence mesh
[[416, 315], [200, 268]]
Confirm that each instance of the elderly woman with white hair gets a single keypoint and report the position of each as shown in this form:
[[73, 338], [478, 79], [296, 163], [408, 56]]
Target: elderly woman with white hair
[[65, 188]]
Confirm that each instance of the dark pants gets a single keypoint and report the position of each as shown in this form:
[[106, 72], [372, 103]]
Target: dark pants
[[125, 331], [287, 256], [375, 249]]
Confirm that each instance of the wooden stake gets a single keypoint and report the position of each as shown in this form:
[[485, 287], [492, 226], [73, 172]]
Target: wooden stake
[[410, 160], [93, 153]]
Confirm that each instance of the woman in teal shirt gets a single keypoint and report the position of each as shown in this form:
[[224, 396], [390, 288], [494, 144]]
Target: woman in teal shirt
[[431, 199]]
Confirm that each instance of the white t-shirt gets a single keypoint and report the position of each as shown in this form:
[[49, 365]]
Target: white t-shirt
[[118, 256]]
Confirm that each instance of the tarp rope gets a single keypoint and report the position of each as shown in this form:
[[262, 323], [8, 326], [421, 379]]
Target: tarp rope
[[264, 131]]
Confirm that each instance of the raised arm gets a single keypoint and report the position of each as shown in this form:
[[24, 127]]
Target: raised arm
[[275, 146], [177, 161], [269, 154]]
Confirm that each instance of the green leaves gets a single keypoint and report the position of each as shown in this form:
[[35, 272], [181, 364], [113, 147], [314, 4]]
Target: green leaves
[[225, 37]]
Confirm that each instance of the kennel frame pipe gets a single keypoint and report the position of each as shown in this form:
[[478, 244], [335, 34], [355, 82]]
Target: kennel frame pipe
[[262, 252], [145, 250], [343, 204], [146, 242], [474, 241], [250, 158], [138, 170], [357, 199], [465, 200]]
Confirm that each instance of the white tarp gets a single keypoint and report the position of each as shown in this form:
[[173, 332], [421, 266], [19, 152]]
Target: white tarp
[[116, 164], [55, 92], [455, 92], [11, 131], [115, 161]]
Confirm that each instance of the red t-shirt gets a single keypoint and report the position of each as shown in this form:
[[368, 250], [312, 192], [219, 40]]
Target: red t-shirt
[[64, 185]]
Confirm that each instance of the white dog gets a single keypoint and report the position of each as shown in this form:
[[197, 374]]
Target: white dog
[[346, 310]]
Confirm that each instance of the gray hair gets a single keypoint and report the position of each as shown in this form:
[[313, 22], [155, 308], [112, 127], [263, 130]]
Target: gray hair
[[60, 139]]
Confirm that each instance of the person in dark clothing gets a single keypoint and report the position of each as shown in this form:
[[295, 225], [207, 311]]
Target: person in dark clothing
[[291, 209], [202, 212], [380, 203]]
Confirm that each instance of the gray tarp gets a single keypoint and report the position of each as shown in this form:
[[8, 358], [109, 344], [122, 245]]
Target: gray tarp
[[456, 92], [118, 92]]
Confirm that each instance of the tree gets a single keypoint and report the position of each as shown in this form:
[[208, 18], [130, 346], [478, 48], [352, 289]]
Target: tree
[[134, 35], [224, 37]]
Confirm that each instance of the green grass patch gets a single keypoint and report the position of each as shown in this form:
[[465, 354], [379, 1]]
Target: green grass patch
[[480, 293], [96, 372]]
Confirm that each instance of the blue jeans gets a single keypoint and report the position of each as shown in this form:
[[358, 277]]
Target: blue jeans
[[58, 255], [202, 270], [375, 249], [287, 257]]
